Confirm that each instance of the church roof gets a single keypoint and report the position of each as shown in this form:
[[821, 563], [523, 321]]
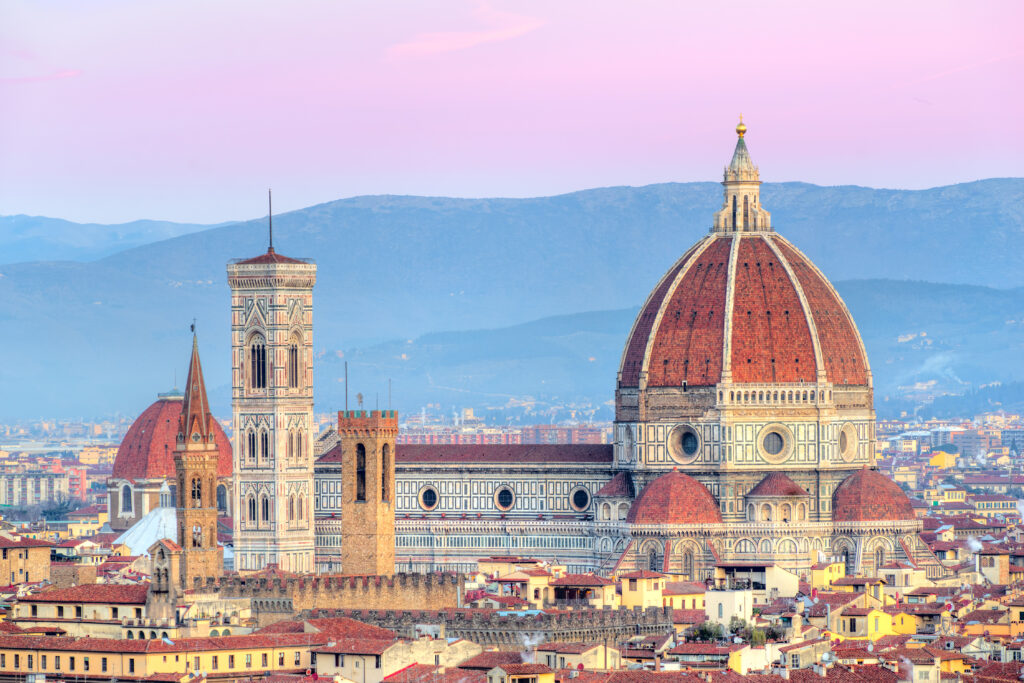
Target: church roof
[[674, 498], [777, 484], [619, 486], [870, 496], [147, 450]]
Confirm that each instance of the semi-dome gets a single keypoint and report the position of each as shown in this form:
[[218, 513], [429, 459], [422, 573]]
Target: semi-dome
[[743, 305], [674, 498], [776, 485], [870, 496], [147, 450]]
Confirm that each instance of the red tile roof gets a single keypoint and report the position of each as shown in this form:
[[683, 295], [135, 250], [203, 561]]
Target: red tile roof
[[674, 498], [485, 661], [22, 542], [114, 594], [619, 486], [869, 496], [777, 484], [678, 337], [147, 450], [582, 580], [271, 257]]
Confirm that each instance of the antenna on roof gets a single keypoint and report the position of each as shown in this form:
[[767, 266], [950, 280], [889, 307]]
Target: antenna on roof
[[270, 219]]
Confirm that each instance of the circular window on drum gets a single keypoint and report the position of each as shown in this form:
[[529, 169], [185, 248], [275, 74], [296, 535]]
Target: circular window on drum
[[428, 498], [504, 498], [579, 499], [684, 444], [848, 441], [775, 443]]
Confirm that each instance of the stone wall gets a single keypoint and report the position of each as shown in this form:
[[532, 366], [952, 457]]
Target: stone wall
[[511, 631]]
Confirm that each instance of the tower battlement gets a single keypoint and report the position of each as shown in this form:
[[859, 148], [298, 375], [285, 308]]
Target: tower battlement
[[365, 422]]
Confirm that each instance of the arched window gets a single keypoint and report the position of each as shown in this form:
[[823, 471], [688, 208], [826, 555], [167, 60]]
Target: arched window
[[360, 472], [688, 564], [766, 513], [623, 511], [293, 363], [751, 515], [258, 363], [197, 493], [746, 212], [385, 469], [787, 512], [126, 498], [879, 557], [252, 509], [291, 445], [653, 561], [265, 509], [250, 439], [291, 508], [222, 498], [264, 445], [302, 508], [298, 444]]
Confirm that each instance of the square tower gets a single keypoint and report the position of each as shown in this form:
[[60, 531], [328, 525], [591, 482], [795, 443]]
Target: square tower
[[368, 491], [272, 407]]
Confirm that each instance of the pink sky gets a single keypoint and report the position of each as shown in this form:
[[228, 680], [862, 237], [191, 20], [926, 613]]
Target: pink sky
[[188, 110]]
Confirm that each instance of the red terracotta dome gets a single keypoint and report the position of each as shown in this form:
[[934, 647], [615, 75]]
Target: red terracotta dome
[[777, 485], [674, 498], [147, 450], [787, 322], [870, 496]]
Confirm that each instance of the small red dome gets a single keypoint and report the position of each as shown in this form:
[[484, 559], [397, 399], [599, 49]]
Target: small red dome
[[870, 496], [147, 450], [674, 498], [776, 485], [787, 321]]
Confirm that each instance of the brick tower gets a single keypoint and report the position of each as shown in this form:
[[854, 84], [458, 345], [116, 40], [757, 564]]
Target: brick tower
[[272, 406], [368, 491], [195, 465]]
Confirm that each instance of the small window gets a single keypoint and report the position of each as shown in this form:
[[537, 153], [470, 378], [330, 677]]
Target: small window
[[504, 498], [280, 659], [773, 443], [428, 498]]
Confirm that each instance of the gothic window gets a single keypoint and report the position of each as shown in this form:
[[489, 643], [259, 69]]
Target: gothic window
[[293, 363], [879, 557], [258, 363], [746, 212], [197, 493], [222, 498], [291, 508], [126, 498], [302, 508], [360, 472], [197, 536], [264, 509], [653, 561], [264, 445], [291, 445], [251, 445], [298, 444], [252, 509], [688, 564], [385, 488]]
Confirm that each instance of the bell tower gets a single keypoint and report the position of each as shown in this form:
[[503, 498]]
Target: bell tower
[[368, 491], [272, 406], [195, 465]]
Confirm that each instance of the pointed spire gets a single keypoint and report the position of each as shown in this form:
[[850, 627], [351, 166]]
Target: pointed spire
[[196, 423], [270, 220], [742, 166]]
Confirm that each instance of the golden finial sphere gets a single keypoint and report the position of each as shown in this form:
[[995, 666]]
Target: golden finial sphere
[[741, 128]]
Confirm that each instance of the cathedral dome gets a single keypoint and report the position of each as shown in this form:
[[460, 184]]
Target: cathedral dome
[[674, 498], [147, 450], [870, 496], [743, 305]]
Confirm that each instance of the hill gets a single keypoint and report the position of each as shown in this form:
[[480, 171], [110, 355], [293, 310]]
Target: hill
[[90, 338]]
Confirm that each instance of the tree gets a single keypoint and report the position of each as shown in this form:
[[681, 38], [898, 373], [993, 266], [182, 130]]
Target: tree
[[709, 630], [757, 637]]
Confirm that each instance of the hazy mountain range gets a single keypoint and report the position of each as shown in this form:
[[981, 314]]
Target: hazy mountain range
[[90, 337]]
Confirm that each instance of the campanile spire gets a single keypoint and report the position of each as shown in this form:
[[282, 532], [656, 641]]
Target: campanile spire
[[741, 211]]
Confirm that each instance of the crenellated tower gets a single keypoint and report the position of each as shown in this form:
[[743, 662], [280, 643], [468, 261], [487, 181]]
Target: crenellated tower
[[272, 406], [195, 464], [368, 491]]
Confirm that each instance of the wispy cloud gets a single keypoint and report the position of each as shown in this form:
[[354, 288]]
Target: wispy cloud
[[55, 76], [501, 26]]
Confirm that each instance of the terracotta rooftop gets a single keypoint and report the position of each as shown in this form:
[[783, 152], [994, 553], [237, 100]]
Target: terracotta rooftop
[[777, 484], [115, 594], [869, 496], [674, 498]]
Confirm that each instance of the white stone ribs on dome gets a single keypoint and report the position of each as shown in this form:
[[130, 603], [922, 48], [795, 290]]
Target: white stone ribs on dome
[[819, 360], [842, 304], [693, 255], [647, 302], [730, 297]]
